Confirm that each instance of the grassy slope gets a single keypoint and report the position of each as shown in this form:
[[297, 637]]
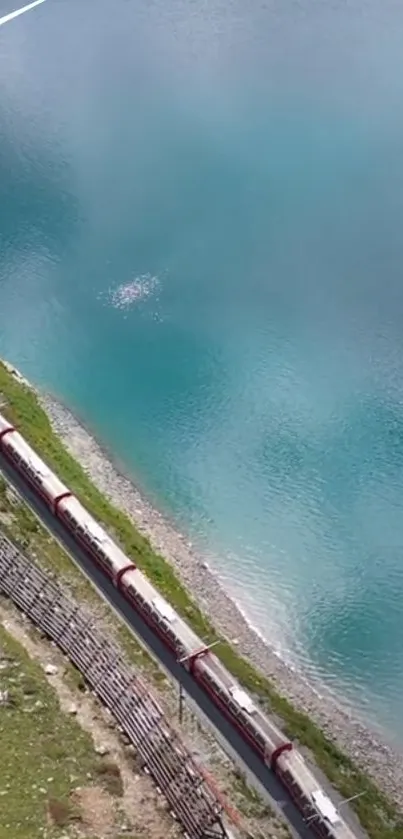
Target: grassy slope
[[44, 753], [376, 814]]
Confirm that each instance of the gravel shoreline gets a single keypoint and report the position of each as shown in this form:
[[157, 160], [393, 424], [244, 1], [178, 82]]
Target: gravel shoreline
[[366, 747]]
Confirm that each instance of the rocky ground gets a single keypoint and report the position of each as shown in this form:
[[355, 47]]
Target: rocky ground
[[65, 772], [367, 747]]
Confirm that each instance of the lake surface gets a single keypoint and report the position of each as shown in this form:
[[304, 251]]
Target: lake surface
[[201, 251]]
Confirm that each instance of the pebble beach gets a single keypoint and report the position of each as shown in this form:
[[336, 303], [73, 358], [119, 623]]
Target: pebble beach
[[366, 745]]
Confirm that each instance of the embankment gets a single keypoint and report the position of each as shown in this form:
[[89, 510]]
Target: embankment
[[350, 754]]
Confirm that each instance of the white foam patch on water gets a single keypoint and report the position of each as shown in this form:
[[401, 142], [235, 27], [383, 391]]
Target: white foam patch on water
[[131, 294]]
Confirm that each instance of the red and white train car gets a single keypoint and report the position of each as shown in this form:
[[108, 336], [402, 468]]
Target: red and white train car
[[254, 725]]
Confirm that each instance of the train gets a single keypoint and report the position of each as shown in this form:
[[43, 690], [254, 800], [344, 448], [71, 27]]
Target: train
[[273, 748]]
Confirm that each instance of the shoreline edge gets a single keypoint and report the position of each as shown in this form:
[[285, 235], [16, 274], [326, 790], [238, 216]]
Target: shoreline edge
[[364, 746]]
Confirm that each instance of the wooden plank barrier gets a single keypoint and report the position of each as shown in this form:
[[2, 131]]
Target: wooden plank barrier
[[120, 689]]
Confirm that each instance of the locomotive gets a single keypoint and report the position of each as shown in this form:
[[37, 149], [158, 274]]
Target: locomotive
[[255, 727]]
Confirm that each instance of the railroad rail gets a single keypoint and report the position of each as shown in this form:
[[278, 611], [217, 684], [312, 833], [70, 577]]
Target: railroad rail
[[120, 689]]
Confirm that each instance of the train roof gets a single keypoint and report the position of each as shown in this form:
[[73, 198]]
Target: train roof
[[242, 698], [185, 635], [74, 506], [268, 730], [38, 465], [321, 802], [137, 581], [50, 482], [97, 533], [165, 610], [325, 807]]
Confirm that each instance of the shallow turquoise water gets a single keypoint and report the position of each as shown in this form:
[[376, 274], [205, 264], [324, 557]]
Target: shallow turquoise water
[[201, 251]]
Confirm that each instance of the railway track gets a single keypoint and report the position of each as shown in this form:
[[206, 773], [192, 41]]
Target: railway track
[[120, 689], [263, 781]]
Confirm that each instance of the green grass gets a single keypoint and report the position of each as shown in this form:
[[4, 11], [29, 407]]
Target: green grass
[[251, 802], [377, 815], [42, 750]]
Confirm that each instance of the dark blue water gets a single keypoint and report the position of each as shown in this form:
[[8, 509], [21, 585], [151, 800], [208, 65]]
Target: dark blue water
[[201, 251]]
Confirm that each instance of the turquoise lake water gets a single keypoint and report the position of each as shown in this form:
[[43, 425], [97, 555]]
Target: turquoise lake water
[[201, 251]]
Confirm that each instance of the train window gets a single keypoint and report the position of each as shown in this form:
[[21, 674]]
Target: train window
[[93, 542], [242, 699], [292, 782], [38, 466], [95, 531], [171, 634], [321, 828], [103, 556], [209, 679], [259, 738], [248, 723], [33, 474], [137, 595], [164, 609], [234, 708], [221, 690]]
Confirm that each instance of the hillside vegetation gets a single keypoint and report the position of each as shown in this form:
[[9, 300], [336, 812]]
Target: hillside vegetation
[[46, 757]]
